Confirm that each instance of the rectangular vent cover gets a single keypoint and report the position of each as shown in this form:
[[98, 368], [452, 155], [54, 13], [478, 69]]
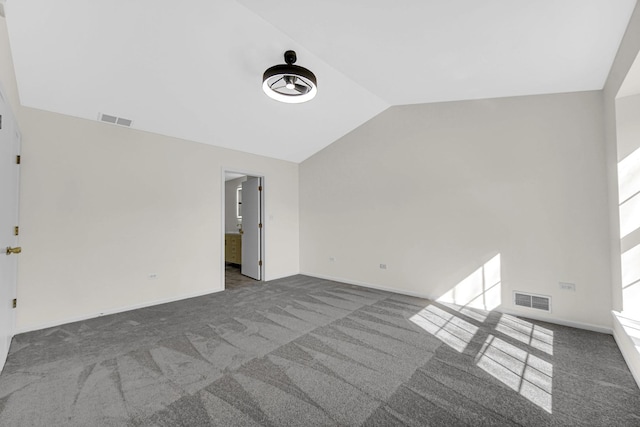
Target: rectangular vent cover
[[114, 120], [539, 302]]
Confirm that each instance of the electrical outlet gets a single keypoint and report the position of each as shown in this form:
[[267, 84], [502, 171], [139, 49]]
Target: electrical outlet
[[153, 276], [565, 286], [383, 266]]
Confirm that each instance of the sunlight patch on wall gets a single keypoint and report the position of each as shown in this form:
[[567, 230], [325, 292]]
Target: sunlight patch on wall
[[527, 333], [629, 209], [449, 329], [519, 370], [629, 176], [631, 280], [629, 193], [481, 289], [629, 216]]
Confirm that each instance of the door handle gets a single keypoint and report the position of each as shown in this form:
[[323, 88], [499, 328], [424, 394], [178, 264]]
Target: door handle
[[16, 250]]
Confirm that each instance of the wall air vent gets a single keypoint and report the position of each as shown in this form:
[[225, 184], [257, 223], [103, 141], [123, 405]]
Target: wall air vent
[[114, 120], [538, 302]]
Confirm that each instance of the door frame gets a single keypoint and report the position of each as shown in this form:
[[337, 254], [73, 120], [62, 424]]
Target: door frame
[[15, 141], [263, 231]]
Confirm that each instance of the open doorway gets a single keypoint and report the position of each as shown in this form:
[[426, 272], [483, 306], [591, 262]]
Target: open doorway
[[627, 110], [243, 252]]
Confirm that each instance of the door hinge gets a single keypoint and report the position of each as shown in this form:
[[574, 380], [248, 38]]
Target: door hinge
[[16, 230], [260, 263], [15, 303], [259, 187], [260, 225], [17, 159]]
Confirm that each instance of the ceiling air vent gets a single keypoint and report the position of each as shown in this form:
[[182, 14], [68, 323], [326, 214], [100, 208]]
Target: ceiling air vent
[[114, 120], [538, 302]]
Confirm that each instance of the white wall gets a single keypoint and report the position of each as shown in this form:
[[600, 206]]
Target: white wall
[[230, 212], [102, 207], [628, 147], [627, 125], [627, 54], [520, 177]]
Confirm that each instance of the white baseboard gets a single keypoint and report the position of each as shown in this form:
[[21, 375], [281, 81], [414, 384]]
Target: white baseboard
[[45, 325], [627, 347], [368, 285], [534, 316], [559, 321]]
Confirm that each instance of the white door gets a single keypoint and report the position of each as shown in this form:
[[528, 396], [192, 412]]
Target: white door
[[252, 228], [9, 150]]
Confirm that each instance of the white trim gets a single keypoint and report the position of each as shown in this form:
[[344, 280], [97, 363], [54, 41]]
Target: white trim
[[557, 321], [223, 225], [367, 285], [630, 352], [45, 325], [14, 141]]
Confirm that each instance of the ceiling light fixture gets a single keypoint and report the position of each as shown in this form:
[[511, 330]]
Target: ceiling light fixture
[[289, 83]]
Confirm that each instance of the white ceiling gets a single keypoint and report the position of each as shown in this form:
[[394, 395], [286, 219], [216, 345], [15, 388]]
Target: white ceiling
[[193, 69], [228, 176]]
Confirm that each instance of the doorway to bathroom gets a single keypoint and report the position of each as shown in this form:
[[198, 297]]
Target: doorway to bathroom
[[243, 229]]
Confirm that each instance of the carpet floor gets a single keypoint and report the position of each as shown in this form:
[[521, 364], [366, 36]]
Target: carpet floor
[[302, 351], [234, 279]]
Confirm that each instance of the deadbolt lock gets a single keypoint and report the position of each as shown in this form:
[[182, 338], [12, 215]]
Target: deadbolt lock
[[16, 250]]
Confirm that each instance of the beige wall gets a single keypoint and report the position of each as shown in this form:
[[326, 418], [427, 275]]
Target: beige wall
[[627, 52], [520, 177], [627, 125], [103, 207], [628, 144], [626, 334]]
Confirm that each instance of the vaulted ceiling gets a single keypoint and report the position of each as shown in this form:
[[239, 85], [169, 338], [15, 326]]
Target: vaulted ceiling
[[193, 69]]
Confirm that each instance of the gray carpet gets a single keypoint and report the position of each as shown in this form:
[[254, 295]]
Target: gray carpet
[[302, 352], [233, 277]]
